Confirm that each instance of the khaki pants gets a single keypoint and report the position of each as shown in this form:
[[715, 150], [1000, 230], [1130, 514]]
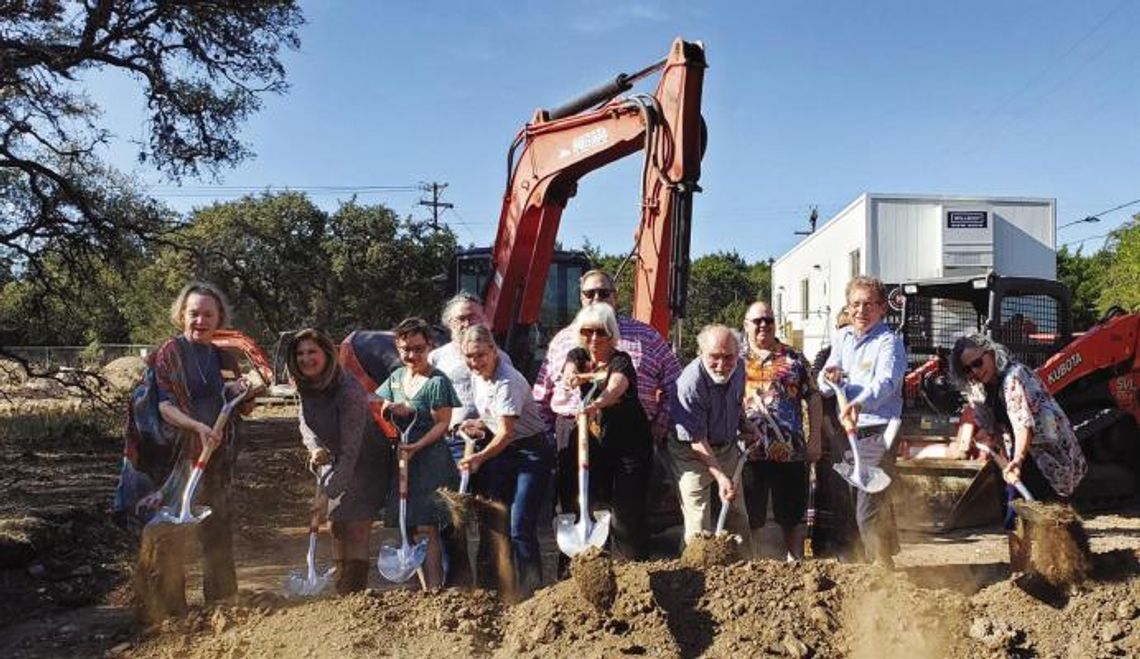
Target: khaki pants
[[693, 482]]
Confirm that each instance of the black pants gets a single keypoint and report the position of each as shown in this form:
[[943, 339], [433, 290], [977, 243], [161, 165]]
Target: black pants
[[876, 517], [619, 476]]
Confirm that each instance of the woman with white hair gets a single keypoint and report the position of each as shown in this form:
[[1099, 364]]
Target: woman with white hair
[[621, 444], [1007, 401]]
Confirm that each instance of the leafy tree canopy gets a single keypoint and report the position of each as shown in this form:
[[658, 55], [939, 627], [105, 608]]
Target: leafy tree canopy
[[201, 66]]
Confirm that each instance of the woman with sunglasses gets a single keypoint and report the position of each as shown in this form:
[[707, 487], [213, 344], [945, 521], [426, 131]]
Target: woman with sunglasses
[[621, 443], [1007, 401]]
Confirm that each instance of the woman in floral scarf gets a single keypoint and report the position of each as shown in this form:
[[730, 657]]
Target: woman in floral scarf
[[1008, 402]]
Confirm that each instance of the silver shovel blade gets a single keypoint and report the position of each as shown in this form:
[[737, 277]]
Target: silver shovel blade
[[398, 563], [575, 537], [874, 479], [300, 584], [173, 515]]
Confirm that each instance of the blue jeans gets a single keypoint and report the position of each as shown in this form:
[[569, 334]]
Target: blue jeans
[[519, 477]]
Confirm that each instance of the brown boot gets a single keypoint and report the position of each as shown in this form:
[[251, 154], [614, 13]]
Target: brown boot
[[354, 578]]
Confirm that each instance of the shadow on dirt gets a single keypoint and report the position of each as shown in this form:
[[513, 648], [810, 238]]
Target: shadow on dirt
[[678, 592]]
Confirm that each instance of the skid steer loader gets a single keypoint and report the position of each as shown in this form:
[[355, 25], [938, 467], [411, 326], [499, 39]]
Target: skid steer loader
[[939, 487], [943, 489]]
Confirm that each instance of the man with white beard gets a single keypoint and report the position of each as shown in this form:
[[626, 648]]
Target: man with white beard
[[708, 412]]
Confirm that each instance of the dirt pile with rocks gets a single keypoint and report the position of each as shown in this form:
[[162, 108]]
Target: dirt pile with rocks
[[671, 609]]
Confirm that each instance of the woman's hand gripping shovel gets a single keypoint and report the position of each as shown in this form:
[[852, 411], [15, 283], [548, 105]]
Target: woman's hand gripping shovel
[[863, 477], [311, 581], [186, 513], [1002, 463], [398, 564], [575, 537]]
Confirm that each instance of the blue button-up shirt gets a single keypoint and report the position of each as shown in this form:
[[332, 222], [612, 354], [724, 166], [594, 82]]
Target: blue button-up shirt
[[703, 409], [875, 364]]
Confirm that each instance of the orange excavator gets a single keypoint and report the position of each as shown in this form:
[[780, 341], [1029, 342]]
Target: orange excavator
[[548, 156], [560, 146]]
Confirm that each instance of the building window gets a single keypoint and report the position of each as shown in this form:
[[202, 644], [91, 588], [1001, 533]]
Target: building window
[[805, 301], [855, 269]]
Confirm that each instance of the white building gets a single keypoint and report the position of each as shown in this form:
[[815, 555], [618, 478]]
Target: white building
[[898, 238]]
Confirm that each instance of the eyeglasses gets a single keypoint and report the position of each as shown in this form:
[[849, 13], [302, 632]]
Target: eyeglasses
[[762, 320], [594, 331], [976, 364], [412, 350], [599, 293]]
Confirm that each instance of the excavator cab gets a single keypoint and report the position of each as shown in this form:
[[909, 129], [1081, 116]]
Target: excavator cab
[[471, 271]]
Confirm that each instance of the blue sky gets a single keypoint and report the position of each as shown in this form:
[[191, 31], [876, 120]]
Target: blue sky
[[807, 104]]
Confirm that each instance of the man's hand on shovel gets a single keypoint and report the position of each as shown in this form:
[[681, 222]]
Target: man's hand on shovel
[[726, 486]]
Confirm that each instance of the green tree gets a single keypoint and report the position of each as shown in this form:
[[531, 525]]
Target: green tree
[[1121, 278], [287, 264], [201, 69], [1084, 276]]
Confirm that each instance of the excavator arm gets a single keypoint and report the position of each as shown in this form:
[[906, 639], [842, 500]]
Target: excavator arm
[[558, 147]]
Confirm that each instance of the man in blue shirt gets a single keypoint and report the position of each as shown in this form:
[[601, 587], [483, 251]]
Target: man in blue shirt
[[869, 361], [707, 405]]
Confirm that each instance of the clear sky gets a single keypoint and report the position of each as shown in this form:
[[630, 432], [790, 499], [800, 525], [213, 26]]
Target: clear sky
[[807, 103]]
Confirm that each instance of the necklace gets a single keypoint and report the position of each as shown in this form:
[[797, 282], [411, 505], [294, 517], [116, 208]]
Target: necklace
[[198, 364]]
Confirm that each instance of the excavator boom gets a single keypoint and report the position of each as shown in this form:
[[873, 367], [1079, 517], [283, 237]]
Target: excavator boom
[[558, 147]]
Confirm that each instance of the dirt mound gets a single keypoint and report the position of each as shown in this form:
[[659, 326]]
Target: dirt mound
[[593, 571], [669, 609], [395, 623], [123, 373], [12, 373], [707, 550]]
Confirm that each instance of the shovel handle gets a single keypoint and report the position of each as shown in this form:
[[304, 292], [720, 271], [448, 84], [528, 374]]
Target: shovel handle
[[841, 398]]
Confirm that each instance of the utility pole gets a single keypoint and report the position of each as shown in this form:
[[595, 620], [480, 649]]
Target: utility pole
[[434, 203]]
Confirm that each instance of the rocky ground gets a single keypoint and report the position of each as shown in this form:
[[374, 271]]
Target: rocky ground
[[63, 568]]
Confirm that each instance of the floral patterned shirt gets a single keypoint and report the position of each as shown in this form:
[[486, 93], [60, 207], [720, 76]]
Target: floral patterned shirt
[[778, 384], [1054, 446]]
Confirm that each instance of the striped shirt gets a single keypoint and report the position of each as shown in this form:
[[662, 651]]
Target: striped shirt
[[653, 359]]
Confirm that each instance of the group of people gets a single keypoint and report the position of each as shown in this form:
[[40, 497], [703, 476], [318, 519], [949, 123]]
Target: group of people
[[739, 426]]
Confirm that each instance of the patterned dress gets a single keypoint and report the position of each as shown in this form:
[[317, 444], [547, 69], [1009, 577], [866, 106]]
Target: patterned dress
[[1028, 404]]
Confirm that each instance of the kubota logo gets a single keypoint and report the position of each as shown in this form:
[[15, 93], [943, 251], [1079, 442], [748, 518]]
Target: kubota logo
[[1064, 368]]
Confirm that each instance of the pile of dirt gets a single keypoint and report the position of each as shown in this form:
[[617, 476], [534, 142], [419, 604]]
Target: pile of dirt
[[1100, 620], [369, 624], [12, 373], [593, 572], [122, 374], [708, 549], [59, 559]]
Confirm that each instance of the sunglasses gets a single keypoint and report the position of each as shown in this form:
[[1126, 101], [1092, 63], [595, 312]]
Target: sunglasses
[[762, 320], [975, 365], [598, 293], [593, 331]]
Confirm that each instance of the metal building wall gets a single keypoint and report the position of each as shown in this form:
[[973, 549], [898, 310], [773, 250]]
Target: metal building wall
[[905, 237], [823, 259]]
